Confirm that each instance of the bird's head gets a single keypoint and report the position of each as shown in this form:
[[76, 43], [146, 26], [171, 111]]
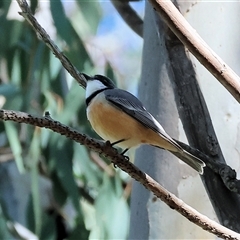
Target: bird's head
[[96, 83]]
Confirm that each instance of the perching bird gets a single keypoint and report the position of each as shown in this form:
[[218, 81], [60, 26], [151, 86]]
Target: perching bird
[[118, 116]]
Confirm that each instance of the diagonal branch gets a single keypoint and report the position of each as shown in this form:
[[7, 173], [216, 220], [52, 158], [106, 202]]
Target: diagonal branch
[[42, 35], [227, 174], [129, 16], [188, 36], [111, 153]]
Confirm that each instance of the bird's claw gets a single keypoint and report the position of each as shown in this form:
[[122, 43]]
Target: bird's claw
[[126, 159]]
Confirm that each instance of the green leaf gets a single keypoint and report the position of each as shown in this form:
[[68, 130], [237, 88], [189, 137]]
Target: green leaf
[[84, 167], [4, 232], [50, 70], [92, 14], [30, 217], [10, 34], [51, 103], [15, 144], [33, 6], [66, 31], [14, 103], [59, 191], [14, 32], [8, 90], [112, 211], [15, 69], [34, 154], [60, 20], [72, 106], [62, 154], [4, 5], [79, 232], [49, 228]]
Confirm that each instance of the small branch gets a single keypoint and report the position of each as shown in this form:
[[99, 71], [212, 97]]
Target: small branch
[[199, 130], [188, 36], [111, 153], [228, 175], [42, 35], [101, 164], [129, 16]]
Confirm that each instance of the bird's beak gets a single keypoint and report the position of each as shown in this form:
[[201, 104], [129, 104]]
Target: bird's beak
[[86, 76]]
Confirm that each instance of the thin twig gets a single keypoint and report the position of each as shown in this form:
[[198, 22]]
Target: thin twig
[[227, 174], [188, 36], [129, 16], [111, 153], [42, 35]]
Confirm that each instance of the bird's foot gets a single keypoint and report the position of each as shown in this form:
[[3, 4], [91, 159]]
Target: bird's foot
[[125, 157], [114, 143]]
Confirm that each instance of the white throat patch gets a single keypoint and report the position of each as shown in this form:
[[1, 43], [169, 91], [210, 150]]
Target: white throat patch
[[93, 86]]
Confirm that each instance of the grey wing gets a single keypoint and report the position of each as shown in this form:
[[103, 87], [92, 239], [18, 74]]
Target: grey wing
[[133, 107]]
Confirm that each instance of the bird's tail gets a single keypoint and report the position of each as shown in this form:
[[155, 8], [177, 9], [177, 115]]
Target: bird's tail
[[191, 160]]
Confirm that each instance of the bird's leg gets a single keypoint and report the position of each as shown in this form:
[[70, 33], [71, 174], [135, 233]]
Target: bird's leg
[[114, 143], [126, 157], [122, 140], [119, 141]]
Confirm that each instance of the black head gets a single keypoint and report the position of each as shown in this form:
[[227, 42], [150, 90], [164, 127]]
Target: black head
[[103, 79]]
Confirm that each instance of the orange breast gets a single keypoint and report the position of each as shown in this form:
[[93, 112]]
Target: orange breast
[[113, 124]]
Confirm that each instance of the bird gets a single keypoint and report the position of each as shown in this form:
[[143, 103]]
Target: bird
[[118, 116]]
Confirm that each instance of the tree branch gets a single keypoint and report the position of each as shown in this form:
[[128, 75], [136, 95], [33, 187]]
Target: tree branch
[[199, 130], [106, 148], [188, 36], [42, 35], [227, 174], [129, 16], [112, 154]]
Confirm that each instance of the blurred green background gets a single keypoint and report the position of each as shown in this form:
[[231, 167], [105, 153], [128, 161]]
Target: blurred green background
[[53, 187]]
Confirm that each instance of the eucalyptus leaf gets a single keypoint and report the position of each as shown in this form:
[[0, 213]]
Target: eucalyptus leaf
[[79, 233], [75, 98], [34, 155], [84, 167], [66, 31], [49, 228], [62, 156], [8, 90], [33, 5], [91, 13], [4, 232], [15, 144], [112, 211]]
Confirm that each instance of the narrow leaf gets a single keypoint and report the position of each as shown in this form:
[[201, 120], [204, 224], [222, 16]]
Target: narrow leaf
[[15, 144]]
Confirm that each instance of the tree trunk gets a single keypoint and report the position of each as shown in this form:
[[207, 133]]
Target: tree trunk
[[150, 218]]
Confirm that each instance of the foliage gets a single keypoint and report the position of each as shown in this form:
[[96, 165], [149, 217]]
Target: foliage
[[32, 80]]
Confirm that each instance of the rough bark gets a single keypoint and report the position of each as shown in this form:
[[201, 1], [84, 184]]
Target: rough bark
[[155, 91], [198, 127], [161, 46]]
